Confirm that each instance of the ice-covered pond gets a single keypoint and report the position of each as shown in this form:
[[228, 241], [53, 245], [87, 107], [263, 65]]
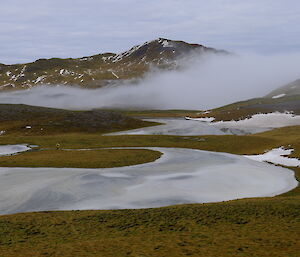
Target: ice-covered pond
[[203, 126], [179, 176], [182, 127], [12, 149]]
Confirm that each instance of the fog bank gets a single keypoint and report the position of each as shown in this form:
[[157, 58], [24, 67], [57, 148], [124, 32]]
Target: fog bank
[[201, 83]]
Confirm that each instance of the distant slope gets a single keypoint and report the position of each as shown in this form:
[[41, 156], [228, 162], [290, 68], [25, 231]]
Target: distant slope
[[99, 70], [282, 99], [245, 109], [286, 90], [33, 120]]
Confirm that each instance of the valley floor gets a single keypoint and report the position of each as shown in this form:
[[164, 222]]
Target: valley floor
[[248, 227]]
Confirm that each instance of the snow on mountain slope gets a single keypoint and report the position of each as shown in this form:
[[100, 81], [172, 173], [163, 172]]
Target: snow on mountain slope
[[102, 69]]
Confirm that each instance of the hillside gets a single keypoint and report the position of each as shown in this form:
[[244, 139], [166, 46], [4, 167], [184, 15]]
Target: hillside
[[290, 89], [245, 109], [282, 99], [101, 69], [33, 120]]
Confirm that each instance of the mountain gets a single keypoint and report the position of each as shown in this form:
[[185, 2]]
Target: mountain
[[286, 90], [102, 69]]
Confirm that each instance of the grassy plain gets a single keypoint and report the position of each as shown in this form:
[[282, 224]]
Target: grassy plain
[[258, 227]]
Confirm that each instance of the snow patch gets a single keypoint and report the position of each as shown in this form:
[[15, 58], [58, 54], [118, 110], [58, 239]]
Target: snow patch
[[165, 43], [86, 59], [40, 79], [278, 96], [262, 120], [66, 72], [120, 56], [277, 156], [205, 119]]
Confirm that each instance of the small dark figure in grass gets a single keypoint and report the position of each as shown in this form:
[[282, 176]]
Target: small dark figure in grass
[[57, 146]]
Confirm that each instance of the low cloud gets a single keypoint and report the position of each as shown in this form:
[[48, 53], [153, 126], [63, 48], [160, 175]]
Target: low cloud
[[201, 83]]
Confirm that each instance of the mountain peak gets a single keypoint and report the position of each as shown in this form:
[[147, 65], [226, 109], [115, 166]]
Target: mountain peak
[[101, 69]]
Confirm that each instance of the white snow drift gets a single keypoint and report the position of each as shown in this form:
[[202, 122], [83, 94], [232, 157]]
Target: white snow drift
[[257, 123], [268, 120], [277, 156]]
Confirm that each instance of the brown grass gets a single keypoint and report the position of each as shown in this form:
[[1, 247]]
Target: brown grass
[[105, 158]]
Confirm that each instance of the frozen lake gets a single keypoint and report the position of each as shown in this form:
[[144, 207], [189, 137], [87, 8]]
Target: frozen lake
[[179, 176], [182, 127]]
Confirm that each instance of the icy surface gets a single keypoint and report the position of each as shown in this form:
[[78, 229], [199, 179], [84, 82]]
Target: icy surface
[[183, 127], [12, 149], [277, 156], [179, 176]]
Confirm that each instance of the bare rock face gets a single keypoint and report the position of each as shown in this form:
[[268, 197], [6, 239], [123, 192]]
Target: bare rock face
[[102, 69]]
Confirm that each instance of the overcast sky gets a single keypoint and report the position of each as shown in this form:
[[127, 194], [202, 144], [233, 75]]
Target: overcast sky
[[32, 29]]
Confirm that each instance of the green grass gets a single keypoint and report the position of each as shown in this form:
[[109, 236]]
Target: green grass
[[258, 227], [106, 158]]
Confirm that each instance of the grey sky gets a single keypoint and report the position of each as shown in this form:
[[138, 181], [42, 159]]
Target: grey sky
[[32, 29]]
